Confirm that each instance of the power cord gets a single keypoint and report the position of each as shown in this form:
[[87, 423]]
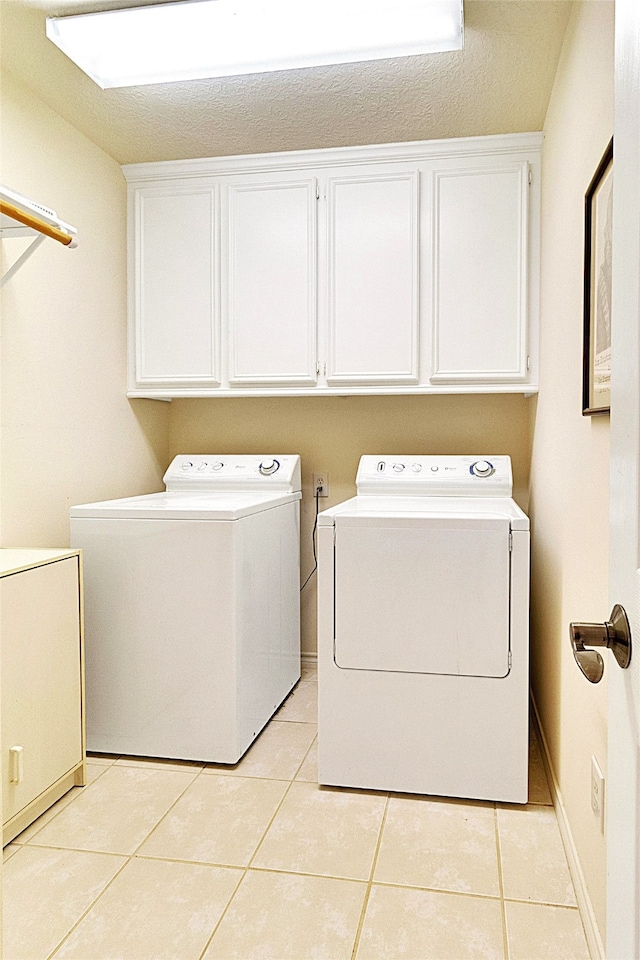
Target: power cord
[[313, 543]]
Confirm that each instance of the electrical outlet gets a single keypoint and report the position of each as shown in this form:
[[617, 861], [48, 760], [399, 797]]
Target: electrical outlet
[[321, 484], [597, 792]]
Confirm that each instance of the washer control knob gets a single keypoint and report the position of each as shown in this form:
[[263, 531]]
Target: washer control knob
[[267, 467], [187, 465], [417, 467], [203, 465], [482, 468], [398, 467], [218, 465]]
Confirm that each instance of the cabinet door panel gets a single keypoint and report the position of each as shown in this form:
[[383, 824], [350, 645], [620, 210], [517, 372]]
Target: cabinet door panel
[[480, 274], [176, 295], [272, 293], [41, 678], [373, 278]]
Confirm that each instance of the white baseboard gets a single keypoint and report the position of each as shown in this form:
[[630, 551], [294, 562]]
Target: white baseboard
[[592, 933]]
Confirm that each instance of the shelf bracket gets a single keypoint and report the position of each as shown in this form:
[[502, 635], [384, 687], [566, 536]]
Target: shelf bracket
[[22, 259]]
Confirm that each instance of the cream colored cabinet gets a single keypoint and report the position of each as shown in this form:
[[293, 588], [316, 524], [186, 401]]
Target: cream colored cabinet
[[41, 677], [401, 268]]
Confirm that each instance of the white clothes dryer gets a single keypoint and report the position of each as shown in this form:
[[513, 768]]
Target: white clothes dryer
[[423, 630], [192, 608]]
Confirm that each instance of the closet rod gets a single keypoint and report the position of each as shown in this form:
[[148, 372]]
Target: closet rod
[[29, 220]]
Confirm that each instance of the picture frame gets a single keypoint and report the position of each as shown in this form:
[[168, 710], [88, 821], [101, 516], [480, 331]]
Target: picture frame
[[598, 219]]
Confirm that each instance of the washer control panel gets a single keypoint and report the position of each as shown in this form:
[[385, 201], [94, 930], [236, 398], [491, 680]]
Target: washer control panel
[[469, 476], [234, 471]]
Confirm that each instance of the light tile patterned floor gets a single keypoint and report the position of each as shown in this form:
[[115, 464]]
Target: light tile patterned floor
[[174, 861]]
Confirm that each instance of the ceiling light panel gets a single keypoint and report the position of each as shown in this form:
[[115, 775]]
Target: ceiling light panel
[[197, 39]]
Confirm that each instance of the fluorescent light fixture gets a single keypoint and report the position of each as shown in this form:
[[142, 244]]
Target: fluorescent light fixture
[[195, 39]]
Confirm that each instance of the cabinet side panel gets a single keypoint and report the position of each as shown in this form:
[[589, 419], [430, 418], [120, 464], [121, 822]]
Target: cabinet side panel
[[176, 303], [373, 278], [41, 679], [272, 283], [480, 290]]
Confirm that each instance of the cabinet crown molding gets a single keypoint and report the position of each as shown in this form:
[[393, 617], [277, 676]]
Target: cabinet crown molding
[[453, 148]]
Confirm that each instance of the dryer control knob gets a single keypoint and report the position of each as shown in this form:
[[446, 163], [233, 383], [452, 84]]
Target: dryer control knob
[[187, 465], [482, 468], [218, 465], [267, 467], [398, 467]]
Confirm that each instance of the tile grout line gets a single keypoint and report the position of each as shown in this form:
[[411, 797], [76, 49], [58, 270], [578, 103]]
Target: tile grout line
[[367, 895], [166, 813], [544, 903], [259, 844], [248, 865], [302, 762], [284, 796], [463, 894], [269, 825], [223, 914], [303, 873], [76, 924], [503, 912]]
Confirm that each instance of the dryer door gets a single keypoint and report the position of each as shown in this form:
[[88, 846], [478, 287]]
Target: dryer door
[[423, 595]]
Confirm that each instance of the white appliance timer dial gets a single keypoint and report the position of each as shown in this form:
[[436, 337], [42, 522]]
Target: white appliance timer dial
[[398, 467], [482, 468], [267, 467]]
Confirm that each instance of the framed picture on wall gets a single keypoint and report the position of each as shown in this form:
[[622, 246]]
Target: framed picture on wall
[[598, 221]]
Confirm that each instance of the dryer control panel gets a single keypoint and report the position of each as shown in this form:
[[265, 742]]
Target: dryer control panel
[[433, 476], [222, 471]]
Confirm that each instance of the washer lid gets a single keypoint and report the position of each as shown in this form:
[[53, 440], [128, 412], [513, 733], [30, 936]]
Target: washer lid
[[362, 508], [179, 505]]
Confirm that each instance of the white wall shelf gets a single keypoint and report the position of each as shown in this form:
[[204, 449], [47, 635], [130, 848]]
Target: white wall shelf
[[21, 217]]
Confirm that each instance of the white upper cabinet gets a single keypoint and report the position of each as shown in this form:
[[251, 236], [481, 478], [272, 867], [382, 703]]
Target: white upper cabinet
[[480, 254], [176, 283], [372, 278], [271, 297], [398, 268]]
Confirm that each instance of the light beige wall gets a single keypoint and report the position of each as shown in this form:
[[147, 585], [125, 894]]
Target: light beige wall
[[68, 435], [331, 434], [570, 461]]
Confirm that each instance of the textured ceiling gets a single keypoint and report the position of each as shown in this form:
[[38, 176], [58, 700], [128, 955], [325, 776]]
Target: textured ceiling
[[499, 83]]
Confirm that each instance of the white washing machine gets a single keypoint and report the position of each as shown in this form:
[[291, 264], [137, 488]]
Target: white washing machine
[[423, 630], [192, 608]]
